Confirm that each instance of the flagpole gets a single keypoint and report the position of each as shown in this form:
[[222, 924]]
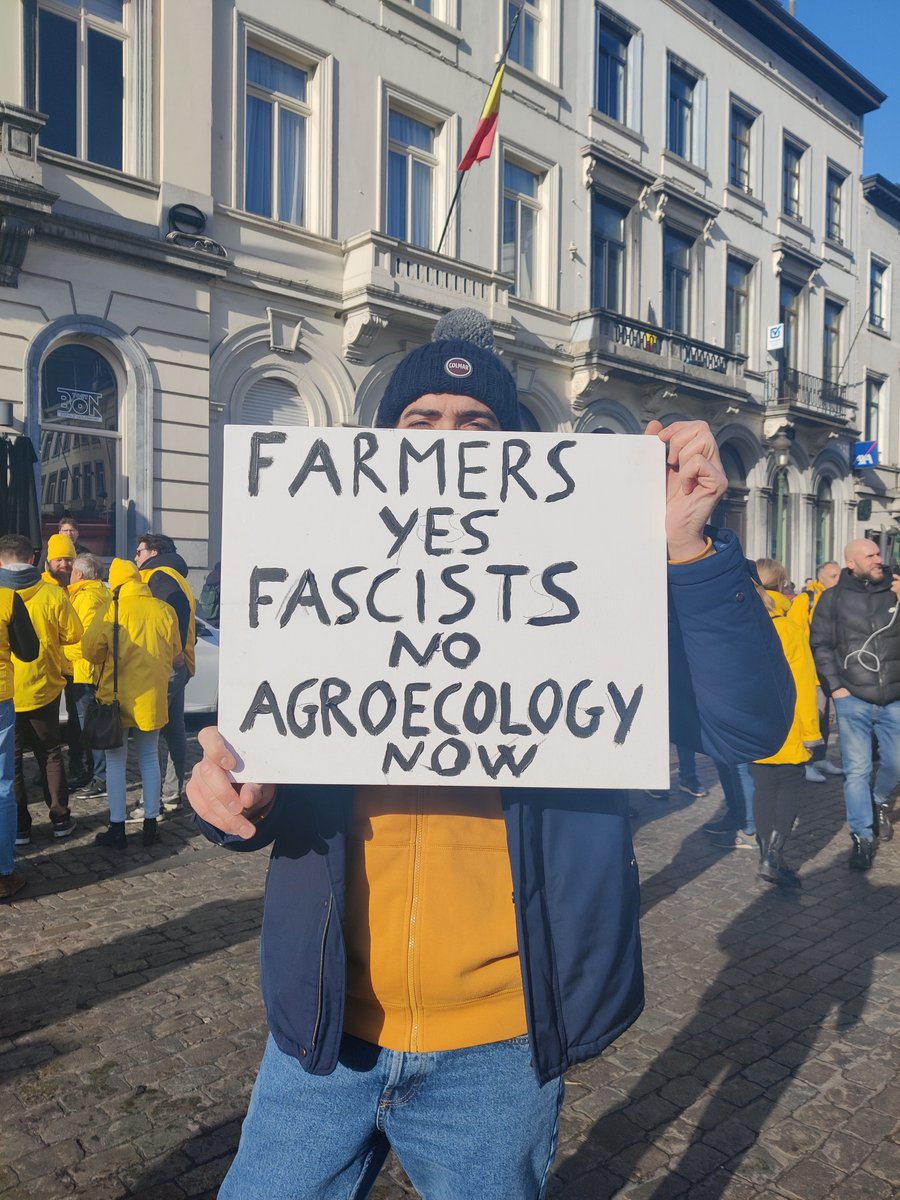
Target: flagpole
[[462, 174]]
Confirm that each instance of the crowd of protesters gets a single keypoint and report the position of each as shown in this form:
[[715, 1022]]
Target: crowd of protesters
[[67, 632]]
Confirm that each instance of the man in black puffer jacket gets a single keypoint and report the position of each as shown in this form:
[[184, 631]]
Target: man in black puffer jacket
[[855, 641]]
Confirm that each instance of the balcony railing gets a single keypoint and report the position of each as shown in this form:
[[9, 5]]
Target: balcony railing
[[786, 385], [373, 260], [671, 348]]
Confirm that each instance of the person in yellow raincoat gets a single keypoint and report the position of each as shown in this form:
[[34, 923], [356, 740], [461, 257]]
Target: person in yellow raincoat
[[149, 647], [778, 779], [89, 595]]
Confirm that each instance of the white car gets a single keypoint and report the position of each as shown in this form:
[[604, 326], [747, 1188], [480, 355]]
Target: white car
[[202, 692]]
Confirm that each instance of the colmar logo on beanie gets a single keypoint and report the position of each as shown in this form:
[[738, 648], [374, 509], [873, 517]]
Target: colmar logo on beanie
[[459, 368]]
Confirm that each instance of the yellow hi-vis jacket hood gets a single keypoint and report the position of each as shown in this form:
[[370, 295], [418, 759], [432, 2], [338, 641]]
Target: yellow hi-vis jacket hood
[[88, 596], [148, 643], [805, 727], [7, 596], [190, 654], [57, 624]]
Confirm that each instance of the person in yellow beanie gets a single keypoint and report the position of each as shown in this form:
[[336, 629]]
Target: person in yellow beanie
[[149, 648], [39, 684], [61, 554]]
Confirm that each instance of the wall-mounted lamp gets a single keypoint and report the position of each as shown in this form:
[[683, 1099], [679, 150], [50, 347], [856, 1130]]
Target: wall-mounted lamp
[[780, 445]]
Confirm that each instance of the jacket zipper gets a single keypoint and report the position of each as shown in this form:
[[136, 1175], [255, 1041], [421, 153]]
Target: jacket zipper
[[413, 916], [321, 996]]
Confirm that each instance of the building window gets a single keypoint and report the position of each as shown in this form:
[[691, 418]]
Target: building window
[[831, 341], [780, 518], [612, 68], [275, 137], [524, 48], [521, 213], [739, 156], [682, 86], [425, 5], [790, 187], [823, 550], [607, 254], [877, 293], [731, 511], [677, 250], [834, 217], [789, 317], [872, 422], [81, 63], [737, 305], [80, 401], [410, 187]]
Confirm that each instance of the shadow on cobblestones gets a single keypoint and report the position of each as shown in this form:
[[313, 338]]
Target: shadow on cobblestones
[[45, 994], [798, 965]]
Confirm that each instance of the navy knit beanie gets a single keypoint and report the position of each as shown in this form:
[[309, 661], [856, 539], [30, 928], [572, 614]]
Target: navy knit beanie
[[456, 365]]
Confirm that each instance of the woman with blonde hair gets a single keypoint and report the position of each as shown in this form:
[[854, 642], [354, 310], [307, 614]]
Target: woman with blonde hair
[[149, 646], [774, 579]]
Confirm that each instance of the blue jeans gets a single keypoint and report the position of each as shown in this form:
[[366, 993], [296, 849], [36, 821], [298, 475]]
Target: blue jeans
[[468, 1124], [84, 694], [173, 740], [857, 721], [148, 763], [738, 788], [8, 811]]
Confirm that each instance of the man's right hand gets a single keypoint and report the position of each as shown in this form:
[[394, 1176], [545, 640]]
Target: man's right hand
[[840, 693], [228, 806]]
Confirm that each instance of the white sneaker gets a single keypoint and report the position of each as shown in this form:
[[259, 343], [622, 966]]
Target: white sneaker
[[814, 775], [829, 768]]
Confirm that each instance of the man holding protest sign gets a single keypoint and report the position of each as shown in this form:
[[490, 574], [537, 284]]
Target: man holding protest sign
[[434, 958]]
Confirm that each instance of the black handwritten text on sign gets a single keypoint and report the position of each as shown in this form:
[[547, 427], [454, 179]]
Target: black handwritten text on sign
[[422, 607]]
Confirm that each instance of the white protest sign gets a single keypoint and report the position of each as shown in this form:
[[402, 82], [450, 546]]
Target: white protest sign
[[427, 607]]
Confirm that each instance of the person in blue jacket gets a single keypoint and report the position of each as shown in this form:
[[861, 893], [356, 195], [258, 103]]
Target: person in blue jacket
[[434, 959]]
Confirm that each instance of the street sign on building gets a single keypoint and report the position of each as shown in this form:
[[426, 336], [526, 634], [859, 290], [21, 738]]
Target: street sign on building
[[775, 337], [865, 454]]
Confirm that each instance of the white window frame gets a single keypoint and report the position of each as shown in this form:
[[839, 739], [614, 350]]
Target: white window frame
[[547, 48], [885, 267], [319, 101], [881, 381], [751, 266], [753, 175], [802, 171], [699, 95], [634, 68], [136, 35], [842, 238], [445, 150], [280, 102], [546, 253]]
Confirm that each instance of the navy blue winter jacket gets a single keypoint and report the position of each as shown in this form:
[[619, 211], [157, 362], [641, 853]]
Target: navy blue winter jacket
[[574, 874]]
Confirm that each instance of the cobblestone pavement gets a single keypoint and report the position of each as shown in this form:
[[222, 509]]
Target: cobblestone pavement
[[766, 1064]]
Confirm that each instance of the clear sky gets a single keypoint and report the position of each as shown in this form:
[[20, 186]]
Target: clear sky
[[867, 34]]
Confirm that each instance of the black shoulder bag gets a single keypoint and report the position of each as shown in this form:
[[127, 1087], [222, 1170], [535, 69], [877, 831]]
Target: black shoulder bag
[[102, 725]]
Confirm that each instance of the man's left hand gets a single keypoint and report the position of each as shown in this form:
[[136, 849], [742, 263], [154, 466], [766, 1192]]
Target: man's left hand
[[895, 586], [695, 482]]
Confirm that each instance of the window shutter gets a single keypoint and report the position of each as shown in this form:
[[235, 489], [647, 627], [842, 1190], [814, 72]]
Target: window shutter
[[273, 402]]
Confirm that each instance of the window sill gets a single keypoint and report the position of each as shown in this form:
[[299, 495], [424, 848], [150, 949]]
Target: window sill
[[270, 225], [744, 197], [880, 331], [515, 71], [109, 174], [595, 116], [406, 9], [838, 248], [670, 158], [796, 224]]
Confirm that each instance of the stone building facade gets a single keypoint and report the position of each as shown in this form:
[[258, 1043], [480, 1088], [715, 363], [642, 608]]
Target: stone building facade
[[231, 210]]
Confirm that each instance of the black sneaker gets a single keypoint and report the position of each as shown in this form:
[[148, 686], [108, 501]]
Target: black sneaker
[[693, 787], [150, 833], [863, 853], [884, 829], [64, 829], [23, 837], [94, 789], [726, 825]]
